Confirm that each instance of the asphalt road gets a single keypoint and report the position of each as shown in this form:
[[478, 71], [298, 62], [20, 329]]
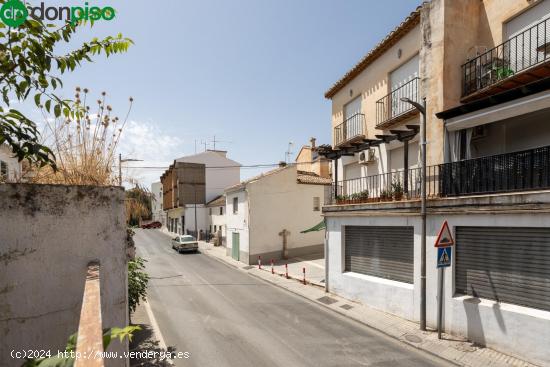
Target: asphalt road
[[224, 317]]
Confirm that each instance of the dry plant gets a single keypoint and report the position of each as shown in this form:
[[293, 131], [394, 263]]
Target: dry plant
[[84, 140]]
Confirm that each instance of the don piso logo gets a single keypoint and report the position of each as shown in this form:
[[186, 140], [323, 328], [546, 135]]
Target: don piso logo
[[14, 13]]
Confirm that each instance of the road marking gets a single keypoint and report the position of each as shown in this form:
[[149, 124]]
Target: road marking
[[156, 329]]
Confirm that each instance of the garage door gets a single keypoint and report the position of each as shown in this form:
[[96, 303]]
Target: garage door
[[381, 251], [505, 264]]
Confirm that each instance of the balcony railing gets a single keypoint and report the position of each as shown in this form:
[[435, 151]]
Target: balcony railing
[[521, 52], [511, 172], [390, 107], [350, 129]]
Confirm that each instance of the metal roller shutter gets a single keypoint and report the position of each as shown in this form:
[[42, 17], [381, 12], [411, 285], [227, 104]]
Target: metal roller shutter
[[505, 264], [381, 251]]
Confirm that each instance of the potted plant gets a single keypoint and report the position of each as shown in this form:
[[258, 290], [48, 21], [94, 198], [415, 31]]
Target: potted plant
[[385, 195], [363, 196], [397, 189]]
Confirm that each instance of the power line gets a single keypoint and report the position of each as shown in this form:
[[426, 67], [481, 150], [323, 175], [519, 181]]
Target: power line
[[225, 167]]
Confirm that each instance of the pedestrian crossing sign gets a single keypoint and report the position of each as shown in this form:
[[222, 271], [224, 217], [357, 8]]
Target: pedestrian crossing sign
[[444, 255], [444, 238]]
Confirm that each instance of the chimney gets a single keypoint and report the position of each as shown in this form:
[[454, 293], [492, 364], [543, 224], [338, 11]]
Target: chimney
[[312, 141]]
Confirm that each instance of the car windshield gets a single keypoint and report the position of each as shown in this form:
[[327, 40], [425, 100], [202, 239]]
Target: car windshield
[[187, 238]]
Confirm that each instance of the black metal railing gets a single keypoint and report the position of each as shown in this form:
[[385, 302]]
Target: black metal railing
[[525, 50], [519, 171], [351, 128], [391, 106]]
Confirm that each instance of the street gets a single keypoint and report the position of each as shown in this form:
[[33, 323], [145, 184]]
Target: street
[[224, 317]]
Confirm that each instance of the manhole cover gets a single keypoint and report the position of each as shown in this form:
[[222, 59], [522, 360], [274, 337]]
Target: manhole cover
[[327, 300], [248, 267], [347, 307], [413, 338]]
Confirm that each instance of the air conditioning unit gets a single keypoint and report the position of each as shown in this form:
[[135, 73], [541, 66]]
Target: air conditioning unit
[[367, 156]]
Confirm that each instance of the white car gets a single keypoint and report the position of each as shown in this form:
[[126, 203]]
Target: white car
[[185, 243]]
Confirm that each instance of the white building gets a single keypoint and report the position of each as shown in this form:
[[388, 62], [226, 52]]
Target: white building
[[10, 167], [266, 214], [157, 212], [190, 183], [217, 219]]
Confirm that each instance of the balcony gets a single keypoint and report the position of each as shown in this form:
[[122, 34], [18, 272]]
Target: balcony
[[390, 109], [520, 60], [511, 172], [352, 129]]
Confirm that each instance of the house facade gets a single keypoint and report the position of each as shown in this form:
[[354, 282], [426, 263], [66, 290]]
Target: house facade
[[217, 226], [192, 181], [482, 68], [157, 211], [266, 214]]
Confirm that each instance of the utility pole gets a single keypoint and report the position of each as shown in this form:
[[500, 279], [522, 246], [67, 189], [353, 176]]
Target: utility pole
[[421, 107], [195, 193], [120, 161]]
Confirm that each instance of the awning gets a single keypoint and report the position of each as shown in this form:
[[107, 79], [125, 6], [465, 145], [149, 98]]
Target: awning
[[316, 228]]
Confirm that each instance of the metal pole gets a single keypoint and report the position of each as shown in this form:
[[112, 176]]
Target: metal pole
[[423, 216], [120, 169], [195, 192], [335, 179], [440, 302]]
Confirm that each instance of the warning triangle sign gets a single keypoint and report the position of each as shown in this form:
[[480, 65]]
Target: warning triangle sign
[[444, 238]]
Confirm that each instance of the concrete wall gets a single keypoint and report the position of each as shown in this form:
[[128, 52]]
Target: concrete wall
[[515, 330], [48, 234]]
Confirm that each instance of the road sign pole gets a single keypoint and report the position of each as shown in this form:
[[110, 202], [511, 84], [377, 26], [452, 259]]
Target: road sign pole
[[440, 302]]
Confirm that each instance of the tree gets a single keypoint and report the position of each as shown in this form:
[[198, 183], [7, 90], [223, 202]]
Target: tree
[[138, 205], [29, 67]]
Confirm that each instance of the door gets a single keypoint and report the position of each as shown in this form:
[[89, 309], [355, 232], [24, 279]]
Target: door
[[235, 246], [353, 122], [402, 78]]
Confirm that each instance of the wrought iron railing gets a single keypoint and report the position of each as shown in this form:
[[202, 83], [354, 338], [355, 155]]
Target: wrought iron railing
[[351, 128], [525, 50], [519, 171], [391, 106]]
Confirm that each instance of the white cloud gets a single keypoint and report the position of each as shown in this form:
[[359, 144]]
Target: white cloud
[[146, 141]]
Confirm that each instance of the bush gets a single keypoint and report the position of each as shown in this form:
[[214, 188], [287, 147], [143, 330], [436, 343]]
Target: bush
[[137, 282]]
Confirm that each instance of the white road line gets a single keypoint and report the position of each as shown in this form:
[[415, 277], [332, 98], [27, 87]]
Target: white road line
[[156, 328]]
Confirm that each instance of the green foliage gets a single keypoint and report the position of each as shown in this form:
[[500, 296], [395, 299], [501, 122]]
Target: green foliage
[[362, 195], [66, 360], [385, 194], [503, 72], [29, 67], [137, 282]]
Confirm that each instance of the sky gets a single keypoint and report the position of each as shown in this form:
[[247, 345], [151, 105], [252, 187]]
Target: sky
[[252, 73]]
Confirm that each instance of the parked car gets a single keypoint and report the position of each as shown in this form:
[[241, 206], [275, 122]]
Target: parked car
[[185, 243], [151, 225]]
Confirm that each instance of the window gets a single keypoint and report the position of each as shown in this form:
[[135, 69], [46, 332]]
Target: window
[[235, 205], [316, 203], [3, 170], [221, 210], [215, 228], [210, 211]]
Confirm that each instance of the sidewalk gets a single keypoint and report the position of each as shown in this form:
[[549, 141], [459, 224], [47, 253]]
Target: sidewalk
[[451, 348]]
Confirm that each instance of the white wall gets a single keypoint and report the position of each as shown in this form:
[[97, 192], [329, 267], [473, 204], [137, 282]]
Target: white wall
[[215, 219], [515, 330], [238, 222], [202, 218], [217, 180], [48, 235], [278, 202], [14, 167]]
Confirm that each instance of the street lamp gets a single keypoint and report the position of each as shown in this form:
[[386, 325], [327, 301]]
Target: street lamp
[[120, 161], [421, 107]]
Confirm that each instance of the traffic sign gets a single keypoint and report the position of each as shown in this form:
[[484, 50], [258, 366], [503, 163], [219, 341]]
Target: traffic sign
[[444, 238], [444, 255]]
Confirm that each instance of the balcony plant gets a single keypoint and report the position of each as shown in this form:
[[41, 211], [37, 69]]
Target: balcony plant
[[385, 195], [397, 189]]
